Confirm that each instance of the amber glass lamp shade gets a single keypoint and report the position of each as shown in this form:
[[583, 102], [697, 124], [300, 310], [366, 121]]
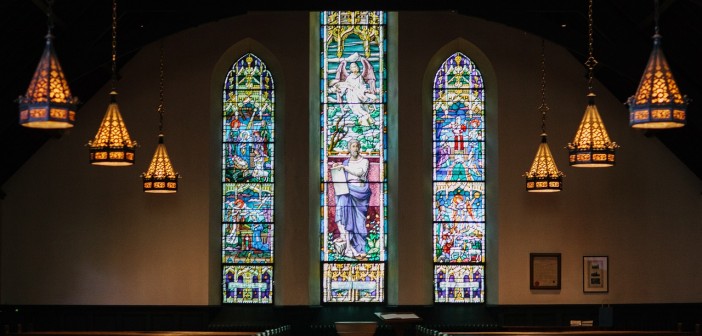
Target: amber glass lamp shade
[[591, 146], [544, 175], [48, 102], [112, 145], [658, 103], [160, 177]]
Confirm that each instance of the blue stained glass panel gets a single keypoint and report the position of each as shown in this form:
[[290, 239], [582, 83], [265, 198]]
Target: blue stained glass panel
[[456, 242], [248, 162], [452, 165], [247, 243], [459, 283], [247, 202], [247, 284]]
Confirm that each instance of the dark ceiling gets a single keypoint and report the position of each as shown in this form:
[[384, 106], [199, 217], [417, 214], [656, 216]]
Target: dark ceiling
[[623, 30]]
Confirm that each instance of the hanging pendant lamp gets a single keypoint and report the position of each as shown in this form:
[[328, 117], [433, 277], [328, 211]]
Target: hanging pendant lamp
[[544, 175], [48, 103], [657, 103], [591, 146], [112, 145], [160, 177]]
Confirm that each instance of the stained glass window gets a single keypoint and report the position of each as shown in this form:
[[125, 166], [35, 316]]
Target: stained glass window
[[459, 182], [248, 104], [353, 156]]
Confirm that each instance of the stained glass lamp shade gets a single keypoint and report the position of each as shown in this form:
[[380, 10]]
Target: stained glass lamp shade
[[160, 177], [112, 145], [48, 102], [544, 176], [591, 146], [658, 103]]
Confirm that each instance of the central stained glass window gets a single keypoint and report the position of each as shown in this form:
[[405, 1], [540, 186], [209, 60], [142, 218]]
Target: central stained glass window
[[353, 156]]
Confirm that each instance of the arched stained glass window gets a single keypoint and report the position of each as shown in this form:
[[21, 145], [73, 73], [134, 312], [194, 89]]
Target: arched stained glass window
[[459, 181], [353, 156], [248, 103]]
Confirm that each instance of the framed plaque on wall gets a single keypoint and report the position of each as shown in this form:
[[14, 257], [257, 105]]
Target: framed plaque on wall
[[545, 271], [595, 274]]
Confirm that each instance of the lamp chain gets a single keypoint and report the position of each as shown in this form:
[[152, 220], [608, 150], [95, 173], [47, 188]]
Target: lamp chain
[[544, 107], [114, 44], [161, 108], [50, 14], [656, 15], [591, 61]]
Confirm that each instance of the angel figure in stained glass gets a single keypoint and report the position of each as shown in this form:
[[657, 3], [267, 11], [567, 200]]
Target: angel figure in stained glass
[[356, 87]]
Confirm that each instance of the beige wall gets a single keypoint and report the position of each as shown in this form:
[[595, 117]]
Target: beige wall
[[76, 234]]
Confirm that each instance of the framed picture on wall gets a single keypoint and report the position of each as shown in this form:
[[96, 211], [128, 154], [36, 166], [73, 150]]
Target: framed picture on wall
[[595, 274], [545, 271]]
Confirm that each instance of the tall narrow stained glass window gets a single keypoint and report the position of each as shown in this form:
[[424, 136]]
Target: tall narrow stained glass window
[[459, 182], [248, 104], [353, 156]]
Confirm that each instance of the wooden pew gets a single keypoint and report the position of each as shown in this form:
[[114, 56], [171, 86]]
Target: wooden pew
[[423, 331], [137, 333], [280, 331]]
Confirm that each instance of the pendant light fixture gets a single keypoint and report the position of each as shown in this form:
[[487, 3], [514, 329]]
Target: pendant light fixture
[[657, 103], [543, 176], [591, 146], [48, 103], [160, 177], [112, 145]]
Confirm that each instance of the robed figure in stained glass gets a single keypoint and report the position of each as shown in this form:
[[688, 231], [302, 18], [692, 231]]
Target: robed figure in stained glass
[[352, 204]]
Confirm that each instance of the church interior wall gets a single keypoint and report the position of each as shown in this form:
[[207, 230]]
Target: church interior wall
[[73, 234]]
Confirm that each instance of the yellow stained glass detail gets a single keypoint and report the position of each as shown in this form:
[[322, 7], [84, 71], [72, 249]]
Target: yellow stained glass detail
[[341, 24], [543, 176], [49, 82], [657, 84], [346, 282], [544, 166], [113, 131], [48, 102], [591, 134], [161, 167]]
